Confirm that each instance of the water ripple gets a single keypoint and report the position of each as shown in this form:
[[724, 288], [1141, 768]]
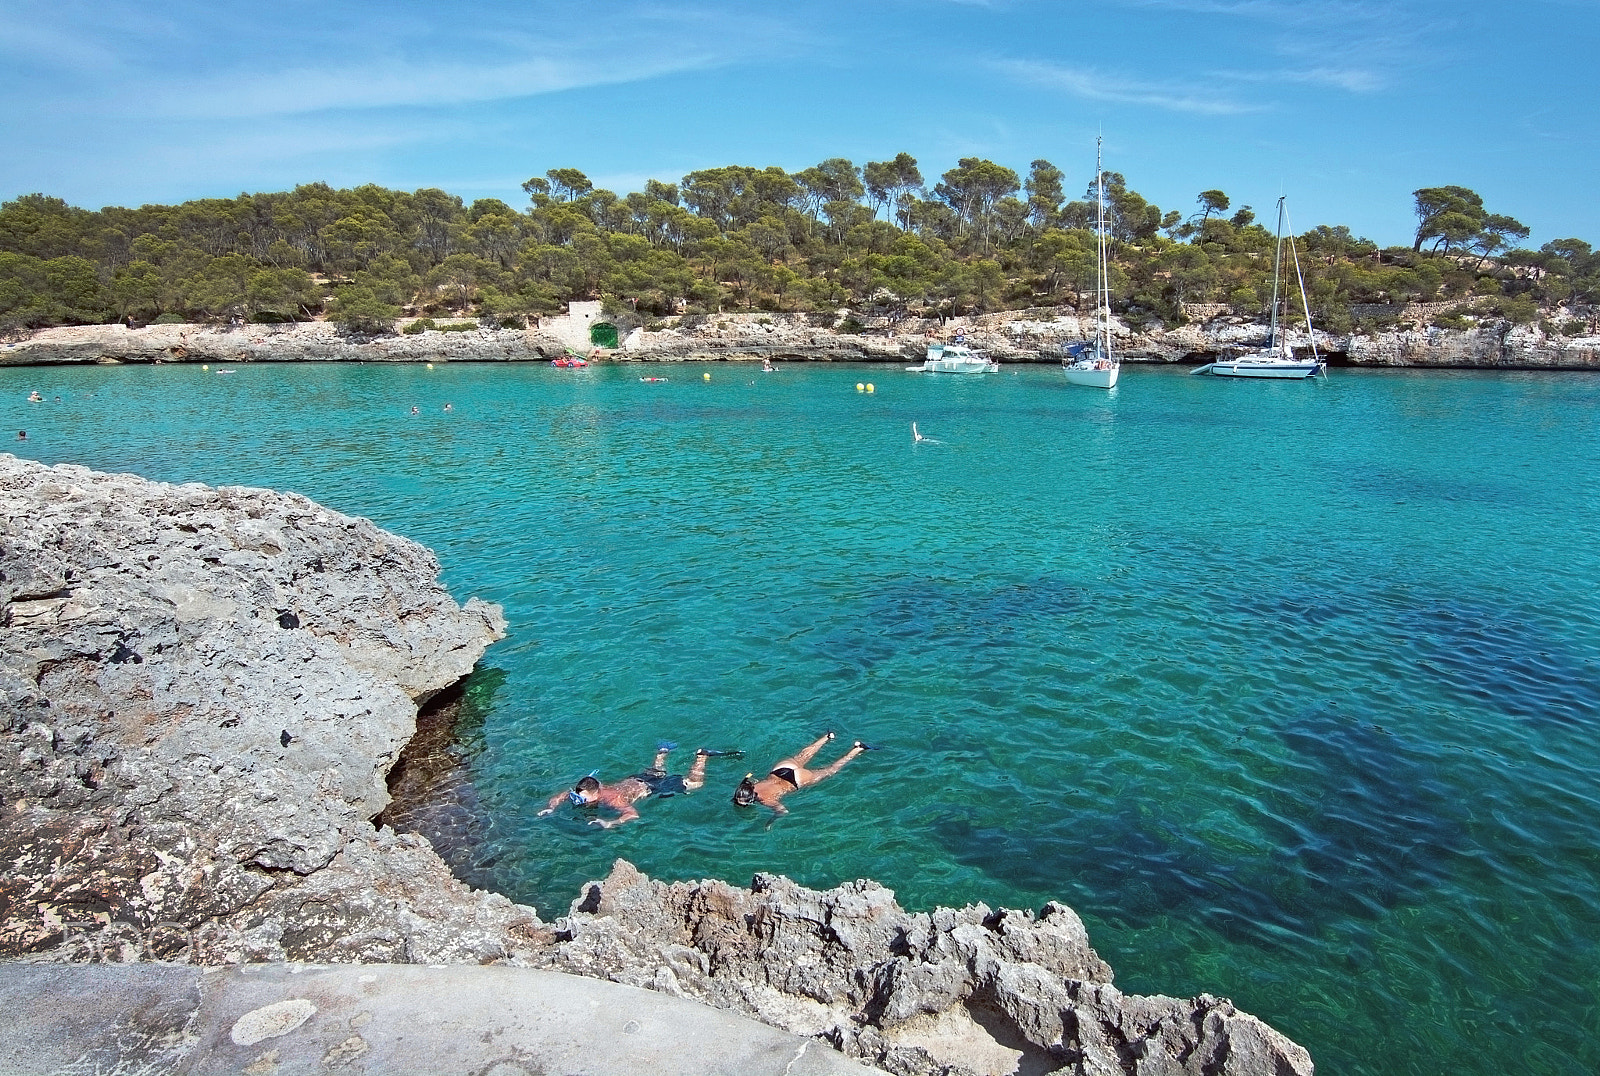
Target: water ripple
[[1290, 689]]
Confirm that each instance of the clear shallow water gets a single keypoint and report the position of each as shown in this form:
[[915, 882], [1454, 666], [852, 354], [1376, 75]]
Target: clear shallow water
[[1292, 690]]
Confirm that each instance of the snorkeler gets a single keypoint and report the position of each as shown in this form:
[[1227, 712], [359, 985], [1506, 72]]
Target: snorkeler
[[790, 774], [621, 797]]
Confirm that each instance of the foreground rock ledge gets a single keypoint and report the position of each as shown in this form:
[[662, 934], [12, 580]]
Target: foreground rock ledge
[[203, 690]]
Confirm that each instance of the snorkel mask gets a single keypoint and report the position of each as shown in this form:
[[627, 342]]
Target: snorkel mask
[[590, 783], [745, 794]]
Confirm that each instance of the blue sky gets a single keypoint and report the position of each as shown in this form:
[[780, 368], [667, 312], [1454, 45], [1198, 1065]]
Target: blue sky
[[1347, 106]]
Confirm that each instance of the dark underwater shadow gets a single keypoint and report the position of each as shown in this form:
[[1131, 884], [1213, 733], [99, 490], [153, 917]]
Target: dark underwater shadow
[[1499, 661], [918, 613], [430, 788], [1363, 824]]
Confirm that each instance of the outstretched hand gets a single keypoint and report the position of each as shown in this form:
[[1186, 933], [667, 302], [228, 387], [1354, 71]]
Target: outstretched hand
[[547, 811]]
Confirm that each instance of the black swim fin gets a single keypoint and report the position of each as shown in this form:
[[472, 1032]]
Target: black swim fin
[[867, 746], [731, 753]]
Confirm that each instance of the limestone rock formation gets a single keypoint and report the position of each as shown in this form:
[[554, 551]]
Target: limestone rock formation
[[1013, 336], [949, 993], [201, 691]]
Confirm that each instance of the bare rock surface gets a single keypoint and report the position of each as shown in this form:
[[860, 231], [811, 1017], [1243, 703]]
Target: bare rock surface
[[1015, 336], [952, 992], [394, 1019], [201, 692]]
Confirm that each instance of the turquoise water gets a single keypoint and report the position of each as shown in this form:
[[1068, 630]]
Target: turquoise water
[[1292, 689]]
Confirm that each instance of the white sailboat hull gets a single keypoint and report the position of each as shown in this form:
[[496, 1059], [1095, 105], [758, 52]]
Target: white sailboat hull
[[1102, 378], [1281, 369]]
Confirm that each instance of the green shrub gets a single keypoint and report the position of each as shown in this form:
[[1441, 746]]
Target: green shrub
[[513, 323], [1451, 319], [851, 325], [170, 319], [1517, 309], [1575, 327], [358, 310], [458, 327], [1335, 320], [421, 325], [1244, 301]]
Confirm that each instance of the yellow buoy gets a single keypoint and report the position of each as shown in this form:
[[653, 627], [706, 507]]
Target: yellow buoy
[[706, 376], [870, 388], [430, 365], [205, 366], [860, 387]]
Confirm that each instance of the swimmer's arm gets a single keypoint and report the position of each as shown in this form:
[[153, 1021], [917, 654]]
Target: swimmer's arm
[[628, 814], [555, 801]]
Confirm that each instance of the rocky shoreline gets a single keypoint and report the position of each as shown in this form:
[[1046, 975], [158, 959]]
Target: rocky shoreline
[[1011, 337], [204, 693]]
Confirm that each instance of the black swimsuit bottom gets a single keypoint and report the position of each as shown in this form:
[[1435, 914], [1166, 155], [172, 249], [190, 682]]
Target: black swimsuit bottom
[[784, 773]]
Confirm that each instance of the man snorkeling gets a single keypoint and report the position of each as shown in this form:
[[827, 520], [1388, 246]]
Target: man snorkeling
[[621, 796], [790, 774]]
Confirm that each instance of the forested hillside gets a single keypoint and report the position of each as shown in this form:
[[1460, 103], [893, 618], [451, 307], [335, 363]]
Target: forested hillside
[[879, 237]]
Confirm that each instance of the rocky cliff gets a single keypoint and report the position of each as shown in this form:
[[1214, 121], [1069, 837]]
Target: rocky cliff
[[201, 692], [953, 992], [1014, 336]]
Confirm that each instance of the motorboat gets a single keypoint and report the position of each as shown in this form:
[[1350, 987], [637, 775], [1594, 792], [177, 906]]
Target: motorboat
[[955, 359]]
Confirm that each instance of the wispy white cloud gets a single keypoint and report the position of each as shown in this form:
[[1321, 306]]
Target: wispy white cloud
[[1304, 11], [1351, 79], [418, 57], [397, 82], [1316, 29], [1099, 86]]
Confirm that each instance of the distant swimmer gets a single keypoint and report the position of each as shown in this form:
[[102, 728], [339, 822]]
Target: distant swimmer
[[34, 397], [652, 379], [22, 435], [621, 796], [790, 774], [416, 411], [448, 407], [917, 438], [766, 366]]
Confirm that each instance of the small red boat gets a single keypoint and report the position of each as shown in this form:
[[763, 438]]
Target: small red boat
[[569, 361]]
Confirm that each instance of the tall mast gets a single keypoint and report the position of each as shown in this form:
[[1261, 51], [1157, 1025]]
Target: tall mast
[[1277, 258], [1102, 297]]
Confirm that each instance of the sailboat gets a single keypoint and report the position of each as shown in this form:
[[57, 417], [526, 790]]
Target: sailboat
[[1094, 364], [1276, 359]]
